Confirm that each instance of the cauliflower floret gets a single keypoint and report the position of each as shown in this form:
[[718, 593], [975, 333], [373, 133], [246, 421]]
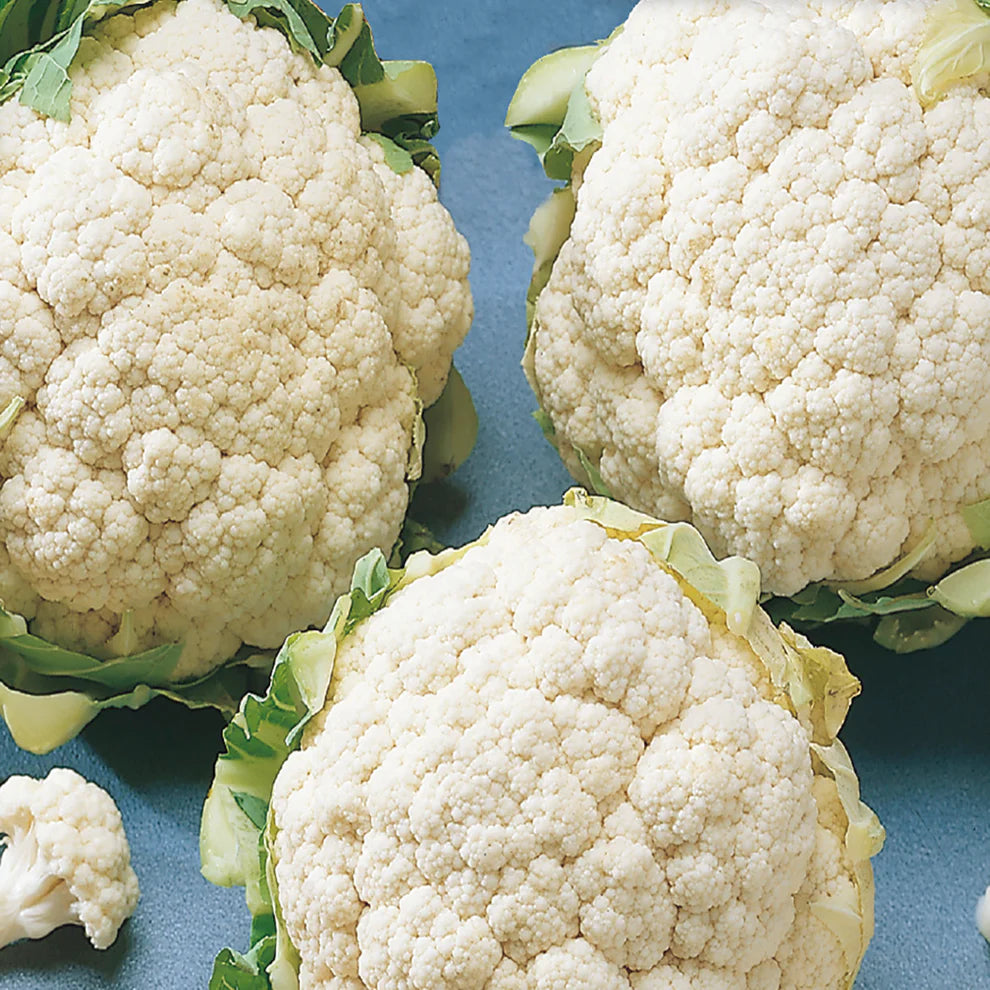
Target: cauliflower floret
[[772, 316], [224, 312], [983, 914], [65, 859], [564, 778]]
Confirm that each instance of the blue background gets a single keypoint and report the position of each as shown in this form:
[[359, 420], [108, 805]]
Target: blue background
[[920, 734]]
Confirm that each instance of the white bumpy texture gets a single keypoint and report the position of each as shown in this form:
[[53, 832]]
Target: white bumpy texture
[[222, 309], [555, 778], [772, 317], [66, 859]]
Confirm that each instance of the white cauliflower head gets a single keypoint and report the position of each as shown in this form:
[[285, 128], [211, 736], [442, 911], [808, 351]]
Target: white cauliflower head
[[65, 859], [224, 311], [570, 775], [772, 314]]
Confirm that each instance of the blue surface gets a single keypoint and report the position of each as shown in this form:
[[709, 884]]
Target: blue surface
[[920, 735]]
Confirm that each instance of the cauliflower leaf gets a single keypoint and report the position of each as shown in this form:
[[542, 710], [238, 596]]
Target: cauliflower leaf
[[907, 615], [48, 695], [956, 48]]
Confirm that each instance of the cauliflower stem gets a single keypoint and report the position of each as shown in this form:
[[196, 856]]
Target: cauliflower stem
[[33, 901]]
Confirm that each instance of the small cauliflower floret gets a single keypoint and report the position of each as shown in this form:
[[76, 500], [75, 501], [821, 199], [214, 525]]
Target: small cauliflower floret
[[569, 777], [983, 914], [65, 859], [772, 314], [224, 313]]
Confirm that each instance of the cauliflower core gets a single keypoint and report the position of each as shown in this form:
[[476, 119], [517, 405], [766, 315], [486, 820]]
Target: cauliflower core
[[556, 778], [224, 311], [772, 316], [65, 859]]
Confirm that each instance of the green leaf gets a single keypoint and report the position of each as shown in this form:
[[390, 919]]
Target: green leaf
[[539, 137], [595, 478], [853, 607], [9, 415], [302, 22], [46, 86], [550, 109], [890, 575], [809, 607], [40, 724], [224, 688], [911, 615], [397, 158], [361, 65], [152, 667], [232, 971], [546, 427], [402, 89], [24, 23], [370, 586], [414, 538], [47, 699], [400, 103], [580, 130], [40, 40], [254, 807]]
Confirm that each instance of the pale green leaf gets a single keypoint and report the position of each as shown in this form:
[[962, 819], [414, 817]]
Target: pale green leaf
[[908, 632], [732, 584], [890, 575], [966, 591], [977, 519], [451, 430], [956, 47], [9, 415], [549, 228], [543, 92]]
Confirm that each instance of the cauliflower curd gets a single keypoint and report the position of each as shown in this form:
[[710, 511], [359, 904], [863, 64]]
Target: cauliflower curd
[[563, 777], [772, 314], [224, 312], [65, 859]]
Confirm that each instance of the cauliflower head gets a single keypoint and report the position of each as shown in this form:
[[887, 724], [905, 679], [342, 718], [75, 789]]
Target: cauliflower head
[[65, 859], [224, 311], [771, 314], [573, 775]]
